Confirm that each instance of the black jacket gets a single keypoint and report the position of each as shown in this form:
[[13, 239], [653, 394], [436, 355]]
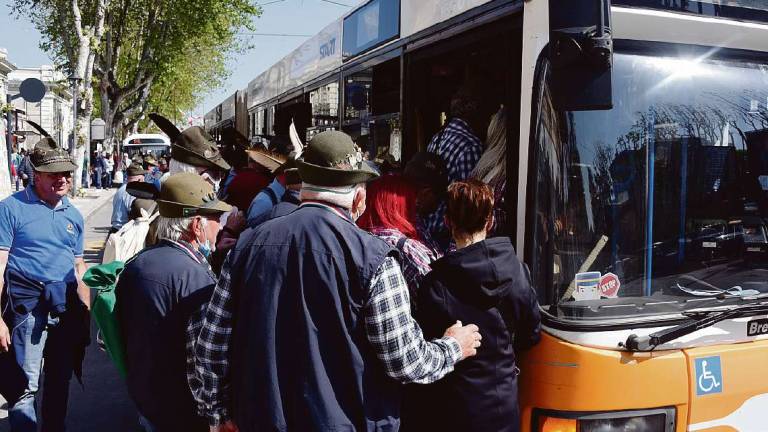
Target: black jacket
[[483, 284], [158, 291]]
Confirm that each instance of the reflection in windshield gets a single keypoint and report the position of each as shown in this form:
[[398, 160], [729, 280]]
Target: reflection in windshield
[[665, 196]]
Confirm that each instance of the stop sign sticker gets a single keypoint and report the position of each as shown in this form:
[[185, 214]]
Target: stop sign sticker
[[609, 285]]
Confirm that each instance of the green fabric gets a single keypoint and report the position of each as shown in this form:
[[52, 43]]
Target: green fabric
[[103, 278]]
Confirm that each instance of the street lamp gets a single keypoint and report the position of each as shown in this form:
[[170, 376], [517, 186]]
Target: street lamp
[[74, 81]]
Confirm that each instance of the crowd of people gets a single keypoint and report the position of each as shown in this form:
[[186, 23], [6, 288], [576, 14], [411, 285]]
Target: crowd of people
[[290, 287]]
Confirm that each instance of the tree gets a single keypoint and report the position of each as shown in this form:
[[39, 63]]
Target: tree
[[164, 55], [71, 31]]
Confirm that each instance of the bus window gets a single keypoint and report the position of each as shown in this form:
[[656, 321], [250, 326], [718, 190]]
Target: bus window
[[325, 109], [372, 112], [640, 209]]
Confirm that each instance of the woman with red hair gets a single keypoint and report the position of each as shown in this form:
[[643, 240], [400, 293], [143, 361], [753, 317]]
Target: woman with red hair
[[390, 215]]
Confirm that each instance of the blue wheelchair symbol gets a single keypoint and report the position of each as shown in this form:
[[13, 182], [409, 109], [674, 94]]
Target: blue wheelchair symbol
[[709, 376]]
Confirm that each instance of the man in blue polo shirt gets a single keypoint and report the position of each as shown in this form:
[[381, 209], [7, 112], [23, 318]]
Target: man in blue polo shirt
[[43, 297]]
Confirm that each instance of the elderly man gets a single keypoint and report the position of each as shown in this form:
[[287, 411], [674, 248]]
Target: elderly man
[[321, 335], [41, 256], [158, 292], [121, 202], [192, 151]]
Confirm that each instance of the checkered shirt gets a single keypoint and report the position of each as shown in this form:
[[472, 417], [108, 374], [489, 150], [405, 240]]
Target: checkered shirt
[[461, 150], [415, 260], [395, 336]]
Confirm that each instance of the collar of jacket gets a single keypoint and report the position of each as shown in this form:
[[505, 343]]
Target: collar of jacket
[[339, 211]]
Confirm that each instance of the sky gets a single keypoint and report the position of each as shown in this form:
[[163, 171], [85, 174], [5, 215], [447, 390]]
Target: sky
[[294, 17]]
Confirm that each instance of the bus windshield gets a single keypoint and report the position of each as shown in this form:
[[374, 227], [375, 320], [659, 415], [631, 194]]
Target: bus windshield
[[659, 205]]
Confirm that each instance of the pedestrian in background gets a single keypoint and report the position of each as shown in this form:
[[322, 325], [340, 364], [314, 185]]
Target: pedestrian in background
[[45, 306], [482, 282], [26, 170], [158, 291], [122, 201], [337, 361], [109, 168], [15, 163], [98, 169]]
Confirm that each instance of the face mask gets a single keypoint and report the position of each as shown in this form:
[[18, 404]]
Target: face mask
[[205, 248]]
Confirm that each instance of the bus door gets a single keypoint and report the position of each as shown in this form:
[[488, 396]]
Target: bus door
[[485, 60]]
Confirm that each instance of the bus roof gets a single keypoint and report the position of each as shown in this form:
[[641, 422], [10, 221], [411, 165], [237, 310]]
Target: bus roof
[[146, 139]]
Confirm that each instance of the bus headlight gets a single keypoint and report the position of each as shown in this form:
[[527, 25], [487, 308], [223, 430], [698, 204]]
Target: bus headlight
[[653, 420]]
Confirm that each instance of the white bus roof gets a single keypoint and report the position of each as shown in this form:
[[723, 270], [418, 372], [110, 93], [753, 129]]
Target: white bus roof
[[130, 140]]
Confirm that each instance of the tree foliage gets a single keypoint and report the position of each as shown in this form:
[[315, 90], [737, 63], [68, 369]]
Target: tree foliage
[[160, 55]]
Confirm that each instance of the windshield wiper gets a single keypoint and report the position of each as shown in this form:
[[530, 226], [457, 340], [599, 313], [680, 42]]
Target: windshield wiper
[[650, 342]]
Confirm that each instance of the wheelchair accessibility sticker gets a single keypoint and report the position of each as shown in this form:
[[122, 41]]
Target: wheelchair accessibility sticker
[[709, 376]]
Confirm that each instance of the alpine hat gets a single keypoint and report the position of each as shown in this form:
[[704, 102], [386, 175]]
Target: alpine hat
[[332, 159]]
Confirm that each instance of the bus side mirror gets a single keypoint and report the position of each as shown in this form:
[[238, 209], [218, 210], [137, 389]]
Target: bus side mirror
[[581, 54]]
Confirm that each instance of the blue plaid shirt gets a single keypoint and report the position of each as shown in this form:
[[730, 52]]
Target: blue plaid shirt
[[461, 150], [458, 147]]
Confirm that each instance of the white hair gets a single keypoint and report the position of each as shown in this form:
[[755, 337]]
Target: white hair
[[342, 196], [176, 167], [172, 228]]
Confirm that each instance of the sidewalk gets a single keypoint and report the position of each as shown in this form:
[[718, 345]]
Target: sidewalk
[[92, 201]]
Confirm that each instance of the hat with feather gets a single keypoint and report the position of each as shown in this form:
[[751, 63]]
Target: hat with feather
[[193, 146], [47, 156]]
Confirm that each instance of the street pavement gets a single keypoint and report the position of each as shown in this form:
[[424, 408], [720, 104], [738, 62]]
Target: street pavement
[[102, 404]]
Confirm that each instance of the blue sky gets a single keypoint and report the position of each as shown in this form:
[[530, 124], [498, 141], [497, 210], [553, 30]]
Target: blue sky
[[304, 17]]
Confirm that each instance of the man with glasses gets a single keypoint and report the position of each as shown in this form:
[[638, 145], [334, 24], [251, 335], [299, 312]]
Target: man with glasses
[[44, 302]]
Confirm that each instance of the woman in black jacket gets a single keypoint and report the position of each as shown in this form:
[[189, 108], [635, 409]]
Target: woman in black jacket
[[482, 282]]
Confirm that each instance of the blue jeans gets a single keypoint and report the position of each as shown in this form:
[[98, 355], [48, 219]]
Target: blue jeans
[[34, 336]]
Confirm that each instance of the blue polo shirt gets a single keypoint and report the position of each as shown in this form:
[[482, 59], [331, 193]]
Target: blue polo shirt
[[43, 241]]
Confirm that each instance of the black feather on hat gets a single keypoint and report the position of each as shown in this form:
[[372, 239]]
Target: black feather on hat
[[193, 146], [47, 156]]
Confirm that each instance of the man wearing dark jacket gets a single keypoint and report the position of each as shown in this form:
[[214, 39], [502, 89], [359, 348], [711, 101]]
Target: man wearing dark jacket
[[481, 282], [309, 328], [158, 291]]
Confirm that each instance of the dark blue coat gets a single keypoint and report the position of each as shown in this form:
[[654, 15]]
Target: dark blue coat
[[300, 357], [157, 293], [483, 284]]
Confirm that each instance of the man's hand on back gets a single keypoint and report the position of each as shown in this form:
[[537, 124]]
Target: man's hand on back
[[467, 336]]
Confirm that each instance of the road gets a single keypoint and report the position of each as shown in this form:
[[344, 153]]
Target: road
[[103, 403]]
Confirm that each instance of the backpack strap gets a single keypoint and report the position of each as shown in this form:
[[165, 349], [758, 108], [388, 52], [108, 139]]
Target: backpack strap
[[272, 195]]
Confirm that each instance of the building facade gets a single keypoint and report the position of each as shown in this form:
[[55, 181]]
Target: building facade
[[53, 113]]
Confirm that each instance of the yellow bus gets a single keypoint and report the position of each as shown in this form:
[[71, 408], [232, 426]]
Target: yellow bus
[[637, 182]]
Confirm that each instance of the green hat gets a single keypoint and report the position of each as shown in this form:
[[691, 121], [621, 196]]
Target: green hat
[[149, 160], [47, 156], [193, 146], [186, 195], [135, 170], [332, 159]]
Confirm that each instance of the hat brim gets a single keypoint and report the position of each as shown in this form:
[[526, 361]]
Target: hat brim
[[188, 156], [172, 209], [56, 167], [269, 162], [326, 176]]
